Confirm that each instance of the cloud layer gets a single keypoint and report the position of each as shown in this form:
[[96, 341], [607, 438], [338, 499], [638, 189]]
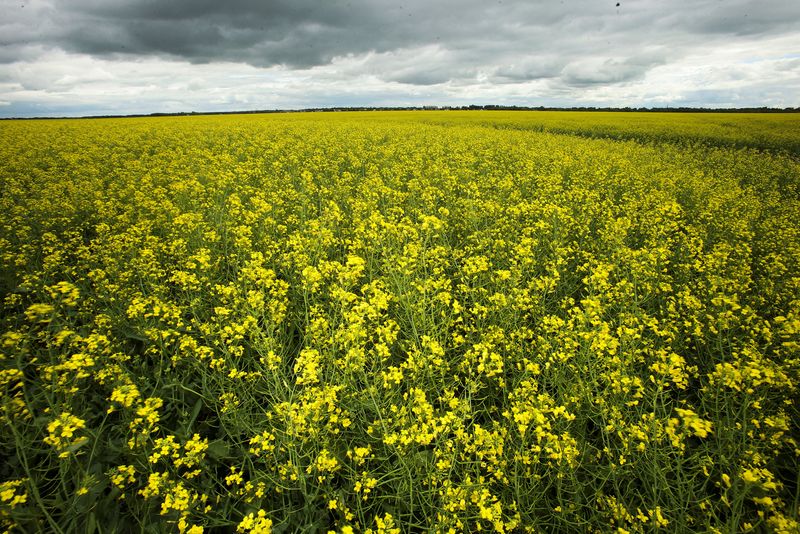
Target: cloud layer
[[118, 56]]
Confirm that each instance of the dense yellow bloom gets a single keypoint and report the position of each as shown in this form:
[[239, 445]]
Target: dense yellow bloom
[[700, 427], [384, 525], [257, 523], [66, 292], [401, 321], [39, 312], [13, 493], [325, 463], [263, 443], [307, 367], [123, 475], [126, 395], [63, 433]]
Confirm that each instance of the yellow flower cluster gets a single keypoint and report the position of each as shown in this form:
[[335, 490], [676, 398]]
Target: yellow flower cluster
[[13, 494], [62, 434], [255, 523]]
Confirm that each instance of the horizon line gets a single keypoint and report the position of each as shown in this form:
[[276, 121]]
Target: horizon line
[[471, 107]]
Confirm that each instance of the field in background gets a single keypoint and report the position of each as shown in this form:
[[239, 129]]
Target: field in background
[[392, 322], [777, 132]]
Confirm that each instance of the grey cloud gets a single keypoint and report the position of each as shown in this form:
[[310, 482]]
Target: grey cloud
[[602, 72], [744, 17], [423, 77], [789, 65], [611, 70], [18, 53], [526, 69]]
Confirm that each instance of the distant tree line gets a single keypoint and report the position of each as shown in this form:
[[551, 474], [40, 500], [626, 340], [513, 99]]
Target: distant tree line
[[682, 109], [472, 107]]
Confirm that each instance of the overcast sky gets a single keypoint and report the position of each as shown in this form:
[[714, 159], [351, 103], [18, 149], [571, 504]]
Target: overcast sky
[[84, 57]]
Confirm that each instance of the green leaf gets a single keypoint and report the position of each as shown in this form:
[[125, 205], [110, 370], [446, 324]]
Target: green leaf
[[198, 405], [218, 449], [92, 524]]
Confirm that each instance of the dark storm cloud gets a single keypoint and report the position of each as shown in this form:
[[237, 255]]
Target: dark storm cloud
[[298, 34]]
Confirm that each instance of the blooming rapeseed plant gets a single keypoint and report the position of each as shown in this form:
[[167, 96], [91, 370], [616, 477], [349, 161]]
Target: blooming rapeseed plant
[[395, 322]]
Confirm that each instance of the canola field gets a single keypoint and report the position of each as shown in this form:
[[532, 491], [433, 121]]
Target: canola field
[[400, 322]]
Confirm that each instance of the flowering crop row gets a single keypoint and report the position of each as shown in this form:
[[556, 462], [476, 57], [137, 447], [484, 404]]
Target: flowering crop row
[[397, 322]]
